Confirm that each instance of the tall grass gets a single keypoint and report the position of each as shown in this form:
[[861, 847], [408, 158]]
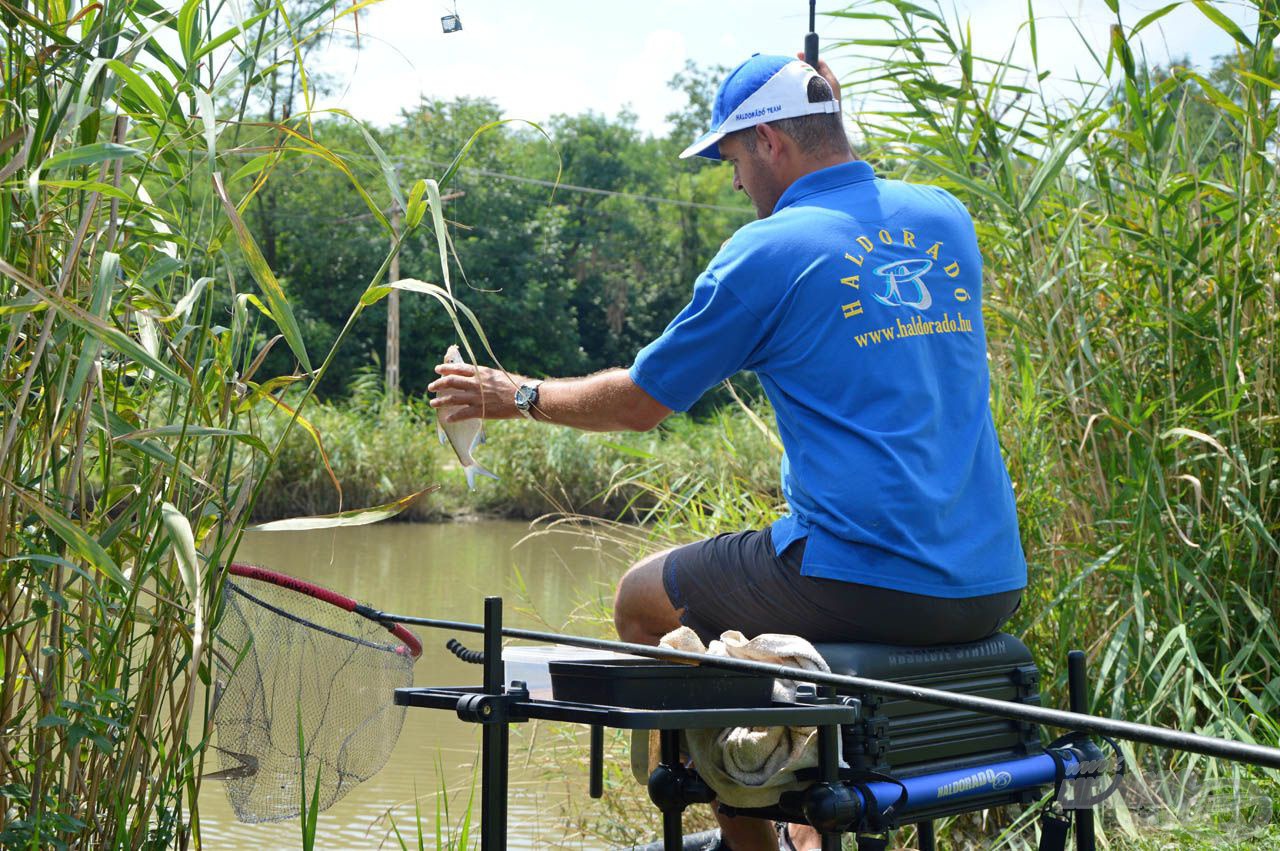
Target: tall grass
[[136, 313], [377, 449]]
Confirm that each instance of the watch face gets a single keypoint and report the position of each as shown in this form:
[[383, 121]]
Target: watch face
[[525, 396]]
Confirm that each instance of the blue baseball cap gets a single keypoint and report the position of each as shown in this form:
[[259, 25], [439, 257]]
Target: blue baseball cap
[[764, 88]]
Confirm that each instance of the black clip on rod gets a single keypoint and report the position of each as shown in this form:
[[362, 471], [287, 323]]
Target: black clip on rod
[[1077, 721]]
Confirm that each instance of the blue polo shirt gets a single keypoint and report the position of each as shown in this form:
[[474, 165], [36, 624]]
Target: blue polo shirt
[[858, 303]]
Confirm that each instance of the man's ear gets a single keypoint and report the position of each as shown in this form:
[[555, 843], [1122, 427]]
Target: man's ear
[[769, 140]]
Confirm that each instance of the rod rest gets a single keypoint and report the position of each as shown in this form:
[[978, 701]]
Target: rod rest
[[674, 787], [831, 807]]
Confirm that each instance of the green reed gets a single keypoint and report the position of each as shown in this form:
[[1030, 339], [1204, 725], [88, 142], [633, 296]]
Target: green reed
[[136, 314]]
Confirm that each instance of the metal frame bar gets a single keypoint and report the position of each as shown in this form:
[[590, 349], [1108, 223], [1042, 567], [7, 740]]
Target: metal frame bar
[[1078, 695], [927, 839], [829, 762], [494, 740], [672, 817]]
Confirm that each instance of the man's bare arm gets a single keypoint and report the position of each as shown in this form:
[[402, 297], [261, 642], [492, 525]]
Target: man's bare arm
[[606, 401]]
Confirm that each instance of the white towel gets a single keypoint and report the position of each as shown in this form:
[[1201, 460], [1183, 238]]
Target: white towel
[[753, 766]]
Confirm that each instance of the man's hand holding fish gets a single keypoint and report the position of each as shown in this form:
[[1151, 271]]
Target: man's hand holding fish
[[606, 401]]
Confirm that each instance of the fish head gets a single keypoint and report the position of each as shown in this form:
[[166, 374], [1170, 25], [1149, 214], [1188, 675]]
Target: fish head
[[452, 355]]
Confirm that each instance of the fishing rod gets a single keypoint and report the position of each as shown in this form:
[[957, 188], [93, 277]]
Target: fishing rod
[[1260, 755], [811, 37]]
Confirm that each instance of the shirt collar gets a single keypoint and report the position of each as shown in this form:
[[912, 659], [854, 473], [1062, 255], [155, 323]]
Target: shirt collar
[[824, 179]]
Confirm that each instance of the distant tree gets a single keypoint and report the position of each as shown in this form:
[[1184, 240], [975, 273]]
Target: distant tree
[[565, 281]]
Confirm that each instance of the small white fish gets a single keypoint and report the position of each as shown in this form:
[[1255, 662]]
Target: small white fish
[[463, 436]]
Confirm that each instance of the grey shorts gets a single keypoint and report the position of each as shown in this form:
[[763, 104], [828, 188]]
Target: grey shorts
[[736, 581]]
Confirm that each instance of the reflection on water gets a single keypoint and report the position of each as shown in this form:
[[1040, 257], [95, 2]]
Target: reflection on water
[[444, 571]]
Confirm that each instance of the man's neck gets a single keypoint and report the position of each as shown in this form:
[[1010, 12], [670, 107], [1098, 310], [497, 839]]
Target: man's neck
[[808, 165], [811, 164]]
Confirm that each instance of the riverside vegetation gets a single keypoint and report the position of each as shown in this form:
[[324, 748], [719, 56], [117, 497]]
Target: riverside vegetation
[[1130, 231]]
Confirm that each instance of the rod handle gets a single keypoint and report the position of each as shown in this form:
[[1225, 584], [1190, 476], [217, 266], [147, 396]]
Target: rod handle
[[811, 50], [811, 39]]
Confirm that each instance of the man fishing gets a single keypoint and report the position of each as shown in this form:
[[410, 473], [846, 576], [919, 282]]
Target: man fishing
[[857, 303]]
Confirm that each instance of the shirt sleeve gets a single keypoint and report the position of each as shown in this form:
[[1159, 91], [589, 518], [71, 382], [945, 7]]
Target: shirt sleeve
[[715, 336]]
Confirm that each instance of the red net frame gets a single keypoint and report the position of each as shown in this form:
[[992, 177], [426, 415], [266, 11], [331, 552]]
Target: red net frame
[[302, 682], [409, 643]]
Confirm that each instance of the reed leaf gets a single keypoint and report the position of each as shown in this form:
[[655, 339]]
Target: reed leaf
[[80, 542], [280, 311], [89, 155], [104, 333], [354, 517]]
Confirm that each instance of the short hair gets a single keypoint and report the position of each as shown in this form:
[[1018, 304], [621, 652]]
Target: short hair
[[816, 134]]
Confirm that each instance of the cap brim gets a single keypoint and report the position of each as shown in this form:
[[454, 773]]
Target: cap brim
[[707, 145]]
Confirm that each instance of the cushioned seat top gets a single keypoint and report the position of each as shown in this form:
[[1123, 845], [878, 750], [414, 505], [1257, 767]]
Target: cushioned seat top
[[896, 662]]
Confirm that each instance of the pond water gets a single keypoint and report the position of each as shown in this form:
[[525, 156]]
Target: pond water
[[442, 571]]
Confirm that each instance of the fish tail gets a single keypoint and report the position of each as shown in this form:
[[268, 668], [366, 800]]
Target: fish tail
[[474, 470]]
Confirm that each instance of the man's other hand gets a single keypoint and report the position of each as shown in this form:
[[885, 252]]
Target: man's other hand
[[824, 71]]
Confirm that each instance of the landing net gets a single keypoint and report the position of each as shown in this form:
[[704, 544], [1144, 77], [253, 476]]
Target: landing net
[[293, 655]]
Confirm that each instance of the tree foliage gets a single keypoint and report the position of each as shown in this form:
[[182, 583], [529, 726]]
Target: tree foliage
[[565, 281]]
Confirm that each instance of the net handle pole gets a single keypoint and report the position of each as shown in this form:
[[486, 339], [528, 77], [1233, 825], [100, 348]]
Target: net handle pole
[[1260, 755], [396, 627]]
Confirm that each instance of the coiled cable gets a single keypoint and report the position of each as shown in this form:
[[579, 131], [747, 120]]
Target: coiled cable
[[457, 648]]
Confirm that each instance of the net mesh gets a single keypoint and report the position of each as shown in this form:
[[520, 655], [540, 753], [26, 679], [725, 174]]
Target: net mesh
[[287, 660]]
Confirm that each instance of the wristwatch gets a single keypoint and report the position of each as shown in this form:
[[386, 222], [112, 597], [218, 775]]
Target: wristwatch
[[527, 398]]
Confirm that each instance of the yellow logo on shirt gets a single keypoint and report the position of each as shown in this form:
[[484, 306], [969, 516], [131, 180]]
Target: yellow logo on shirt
[[901, 284]]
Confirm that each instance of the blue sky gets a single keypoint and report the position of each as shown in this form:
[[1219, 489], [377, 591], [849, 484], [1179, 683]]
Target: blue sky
[[541, 57]]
